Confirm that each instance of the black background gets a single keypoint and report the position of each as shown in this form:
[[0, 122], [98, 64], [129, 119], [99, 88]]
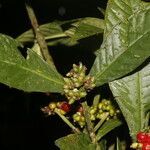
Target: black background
[[22, 125]]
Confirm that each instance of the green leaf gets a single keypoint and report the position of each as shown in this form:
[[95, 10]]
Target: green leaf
[[49, 30], [107, 127], [77, 29], [86, 27], [31, 74], [132, 93], [126, 42], [96, 100], [75, 142]]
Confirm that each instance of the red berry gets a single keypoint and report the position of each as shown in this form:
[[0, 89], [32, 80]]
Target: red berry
[[141, 137], [145, 146], [148, 138], [65, 106]]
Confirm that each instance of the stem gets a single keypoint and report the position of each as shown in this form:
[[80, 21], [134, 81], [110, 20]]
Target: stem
[[39, 37], [101, 122], [60, 35], [76, 130], [89, 124]]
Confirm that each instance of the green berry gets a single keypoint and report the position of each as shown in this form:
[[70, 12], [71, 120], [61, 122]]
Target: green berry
[[52, 106], [70, 93], [82, 124], [93, 110], [92, 117], [76, 117], [71, 100], [77, 84], [82, 119], [111, 112], [80, 78], [67, 80], [83, 94], [100, 105]]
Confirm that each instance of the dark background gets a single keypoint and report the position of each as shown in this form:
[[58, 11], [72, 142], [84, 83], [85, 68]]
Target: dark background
[[22, 125]]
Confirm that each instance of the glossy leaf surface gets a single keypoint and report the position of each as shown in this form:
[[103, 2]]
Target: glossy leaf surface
[[132, 93], [126, 40], [30, 74]]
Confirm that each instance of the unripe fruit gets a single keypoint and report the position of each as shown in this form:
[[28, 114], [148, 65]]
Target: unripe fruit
[[82, 119], [92, 117], [100, 105], [71, 100], [52, 106], [108, 107], [67, 80], [111, 112], [70, 93], [83, 94], [80, 78], [58, 104], [82, 124], [76, 117], [66, 86], [75, 79], [66, 91], [77, 84], [134, 145], [93, 110]]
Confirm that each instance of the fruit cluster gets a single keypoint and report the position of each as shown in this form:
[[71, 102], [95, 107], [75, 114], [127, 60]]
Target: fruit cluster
[[143, 141], [97, 112], [61, 107], [79, 117], [77, 83]]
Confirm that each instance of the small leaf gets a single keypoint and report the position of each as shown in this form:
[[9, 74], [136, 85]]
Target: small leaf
[[96, 100], [31, 74], [87, 27], [107, 127], [126, 40], [77, 29], [49, 29], [132, 93], [75, 142]]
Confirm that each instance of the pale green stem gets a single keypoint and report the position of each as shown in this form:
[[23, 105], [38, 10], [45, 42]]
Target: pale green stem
[[76, 130], [89, 123], [60, 35], [99, 124]]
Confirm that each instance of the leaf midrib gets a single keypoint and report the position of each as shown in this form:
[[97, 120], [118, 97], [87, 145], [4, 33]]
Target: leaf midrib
[[139, 92], [32, 71]]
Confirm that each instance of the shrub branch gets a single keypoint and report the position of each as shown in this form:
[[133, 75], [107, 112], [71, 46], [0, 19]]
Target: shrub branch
[[38, 35]]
